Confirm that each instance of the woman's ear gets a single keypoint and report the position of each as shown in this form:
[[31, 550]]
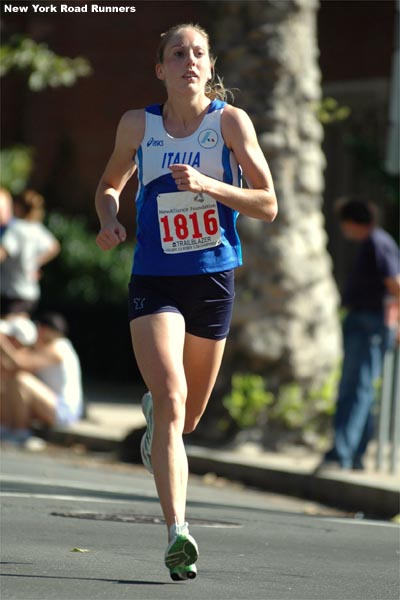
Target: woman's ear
[[159, 71]]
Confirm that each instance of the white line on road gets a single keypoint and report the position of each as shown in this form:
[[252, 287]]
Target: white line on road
[[98, 500], [359, 521], [104, 488], [62, 497]]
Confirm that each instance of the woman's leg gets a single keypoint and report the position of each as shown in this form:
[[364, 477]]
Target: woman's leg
[[28, 398], [180, 371], [158, 343], [202, 361], [5, 405]]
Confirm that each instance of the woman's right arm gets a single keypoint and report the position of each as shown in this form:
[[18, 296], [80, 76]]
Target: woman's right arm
[[118, 171]]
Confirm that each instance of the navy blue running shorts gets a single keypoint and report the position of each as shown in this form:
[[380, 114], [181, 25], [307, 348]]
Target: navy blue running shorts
[[205, 301]]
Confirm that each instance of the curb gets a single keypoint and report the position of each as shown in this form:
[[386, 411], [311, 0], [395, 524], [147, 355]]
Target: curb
[[333, 490], [336, 490]]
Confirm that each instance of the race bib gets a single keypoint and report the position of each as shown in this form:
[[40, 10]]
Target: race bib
[[188, 222]]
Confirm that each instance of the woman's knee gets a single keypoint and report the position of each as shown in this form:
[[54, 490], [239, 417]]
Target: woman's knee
[[20, 381], [169, 408]]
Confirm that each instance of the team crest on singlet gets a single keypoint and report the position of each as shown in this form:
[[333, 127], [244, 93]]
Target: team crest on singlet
[[208, 138]]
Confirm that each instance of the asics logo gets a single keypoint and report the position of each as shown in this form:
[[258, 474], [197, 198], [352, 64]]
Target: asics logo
[[153, 142]]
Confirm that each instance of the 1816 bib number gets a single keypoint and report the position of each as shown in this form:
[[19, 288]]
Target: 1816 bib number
[[188, 222]]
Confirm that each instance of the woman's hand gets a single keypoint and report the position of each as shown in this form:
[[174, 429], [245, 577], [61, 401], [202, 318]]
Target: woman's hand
[[110, 235], [188, 179]]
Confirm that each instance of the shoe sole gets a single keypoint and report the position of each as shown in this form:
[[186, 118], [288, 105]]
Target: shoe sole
[[183, 573], [182, 553]]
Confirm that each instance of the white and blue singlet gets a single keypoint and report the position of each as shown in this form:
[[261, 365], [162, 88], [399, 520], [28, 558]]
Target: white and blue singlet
[[184, 233]]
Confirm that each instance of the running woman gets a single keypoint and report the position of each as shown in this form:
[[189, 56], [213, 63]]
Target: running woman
[[189, 154]]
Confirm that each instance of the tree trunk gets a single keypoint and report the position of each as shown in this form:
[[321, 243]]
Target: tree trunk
[[285, 323]]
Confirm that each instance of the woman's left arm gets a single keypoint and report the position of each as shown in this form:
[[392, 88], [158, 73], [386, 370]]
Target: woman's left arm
[[27, 359], [259, 200]]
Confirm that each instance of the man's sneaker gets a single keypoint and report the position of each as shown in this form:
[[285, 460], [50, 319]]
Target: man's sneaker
[[145, 444], [182, 551]]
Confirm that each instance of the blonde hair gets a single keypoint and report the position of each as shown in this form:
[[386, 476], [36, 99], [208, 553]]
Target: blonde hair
[[214, 89]]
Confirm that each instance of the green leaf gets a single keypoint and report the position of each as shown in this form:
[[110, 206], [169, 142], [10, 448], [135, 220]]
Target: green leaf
[[43, 66], [82, 273], [15, 167]]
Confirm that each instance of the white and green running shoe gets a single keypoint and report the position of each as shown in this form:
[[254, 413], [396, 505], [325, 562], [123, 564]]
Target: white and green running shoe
[[181, 553], [145, 444], [183, 573]]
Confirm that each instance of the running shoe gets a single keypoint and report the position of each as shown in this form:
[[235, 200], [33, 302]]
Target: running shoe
[[182, 550], [183, 573], [145, 444]]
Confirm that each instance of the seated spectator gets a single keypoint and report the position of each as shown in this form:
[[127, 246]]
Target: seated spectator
[[42, 382], [25, 247]]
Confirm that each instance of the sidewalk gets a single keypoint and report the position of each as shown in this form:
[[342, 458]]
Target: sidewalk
[[108, 425]]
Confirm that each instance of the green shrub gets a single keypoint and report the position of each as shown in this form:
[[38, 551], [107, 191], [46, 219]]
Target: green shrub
[[82, 273], [248, 399], [306, 409], [291, 407]]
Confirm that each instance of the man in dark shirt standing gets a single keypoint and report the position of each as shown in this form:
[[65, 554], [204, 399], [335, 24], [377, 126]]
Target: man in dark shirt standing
[[373, 287]]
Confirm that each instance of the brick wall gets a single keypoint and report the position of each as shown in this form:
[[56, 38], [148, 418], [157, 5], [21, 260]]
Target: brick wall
[[72, 130]]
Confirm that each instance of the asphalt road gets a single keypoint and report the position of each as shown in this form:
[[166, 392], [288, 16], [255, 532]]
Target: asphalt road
[[253, 545]]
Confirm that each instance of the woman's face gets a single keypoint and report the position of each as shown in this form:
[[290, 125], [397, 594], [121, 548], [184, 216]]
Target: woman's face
[[186, 65]]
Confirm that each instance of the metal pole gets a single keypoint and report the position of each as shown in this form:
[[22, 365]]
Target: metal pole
[[394, 454], [385, 408]]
